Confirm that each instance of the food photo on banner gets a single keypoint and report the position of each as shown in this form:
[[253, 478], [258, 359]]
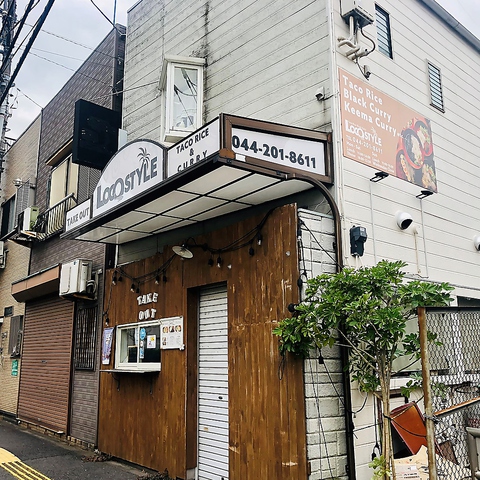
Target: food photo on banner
[[383, 133]]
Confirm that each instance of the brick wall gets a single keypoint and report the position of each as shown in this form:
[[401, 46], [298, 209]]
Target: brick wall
[[326, 437], [20, 162]]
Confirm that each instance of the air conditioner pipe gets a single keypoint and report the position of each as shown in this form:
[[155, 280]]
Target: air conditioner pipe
[[351, 40]]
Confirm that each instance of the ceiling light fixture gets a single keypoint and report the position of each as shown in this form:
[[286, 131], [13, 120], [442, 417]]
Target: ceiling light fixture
[[182, 251]]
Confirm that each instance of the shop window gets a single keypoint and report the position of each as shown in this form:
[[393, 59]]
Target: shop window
[[137, 346], [8, 311], [85, 337], [8, 217], [436, 91], [16, 335], [384, 36], [63, 181], [182, 82]]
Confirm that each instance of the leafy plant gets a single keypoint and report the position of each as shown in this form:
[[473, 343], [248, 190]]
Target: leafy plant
[[365, 310]]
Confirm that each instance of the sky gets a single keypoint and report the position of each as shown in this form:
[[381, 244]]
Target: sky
[[75, 27]]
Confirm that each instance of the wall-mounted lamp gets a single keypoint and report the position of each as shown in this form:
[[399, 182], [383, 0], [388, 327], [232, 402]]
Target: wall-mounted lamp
[[403, 219], [379, 176], [182, 251], [358, 237], [476, 242], [424, 194]]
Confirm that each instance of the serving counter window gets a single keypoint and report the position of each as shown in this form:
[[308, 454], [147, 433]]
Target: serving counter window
[[138, 347]]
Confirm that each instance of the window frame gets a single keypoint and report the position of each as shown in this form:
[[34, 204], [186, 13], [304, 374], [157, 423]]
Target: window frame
[[136, 366], [431, 67], [70, 180], [167, 79], [9, 226], [15, 338], [388, 50], [85, 339]]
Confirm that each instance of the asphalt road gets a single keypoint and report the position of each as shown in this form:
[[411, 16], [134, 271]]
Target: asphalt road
[[43, 458]]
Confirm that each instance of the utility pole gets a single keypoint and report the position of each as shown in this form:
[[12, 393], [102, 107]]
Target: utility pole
[[6, 35]]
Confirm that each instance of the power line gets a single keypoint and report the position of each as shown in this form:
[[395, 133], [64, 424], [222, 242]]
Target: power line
[[71, 69], [75, 43], [31, 99], [35, 33]]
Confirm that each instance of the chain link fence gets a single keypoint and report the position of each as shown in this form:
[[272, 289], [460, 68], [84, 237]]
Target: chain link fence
[[455, 377]]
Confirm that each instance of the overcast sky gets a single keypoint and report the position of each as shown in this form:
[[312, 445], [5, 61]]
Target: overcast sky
[[75, 27]]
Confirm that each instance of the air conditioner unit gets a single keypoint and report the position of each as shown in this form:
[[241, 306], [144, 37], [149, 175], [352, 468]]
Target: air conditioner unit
[[362, 10], [76, 277], [27, 219]]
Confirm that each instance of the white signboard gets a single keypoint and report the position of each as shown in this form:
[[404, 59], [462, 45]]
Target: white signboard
[[194, 148], [171, 333], [305, 155], [132, 170], [78, 215]]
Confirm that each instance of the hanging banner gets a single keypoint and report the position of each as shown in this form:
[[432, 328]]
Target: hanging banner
[[107, 345], [383, 133]]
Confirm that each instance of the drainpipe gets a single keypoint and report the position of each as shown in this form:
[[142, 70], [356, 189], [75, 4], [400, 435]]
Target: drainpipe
[[337, 155]]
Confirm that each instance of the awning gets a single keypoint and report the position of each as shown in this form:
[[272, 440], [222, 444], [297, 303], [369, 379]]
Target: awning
[[208, 189], [229, 164], [37, 285]]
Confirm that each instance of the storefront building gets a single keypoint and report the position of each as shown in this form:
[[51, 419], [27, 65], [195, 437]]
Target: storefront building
[[217, 220], [58, 388]]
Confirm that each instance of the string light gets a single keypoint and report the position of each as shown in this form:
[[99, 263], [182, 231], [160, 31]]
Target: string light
[[157, 279], [259, 239], [132, 288], [210, 262], [251, 251], [114, 278], [219, 262]]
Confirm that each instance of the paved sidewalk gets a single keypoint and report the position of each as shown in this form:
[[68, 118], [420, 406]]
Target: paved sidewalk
[[40, 457]]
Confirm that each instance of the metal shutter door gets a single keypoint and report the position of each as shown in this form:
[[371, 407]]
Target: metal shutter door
[[213, 441], [46, 360]]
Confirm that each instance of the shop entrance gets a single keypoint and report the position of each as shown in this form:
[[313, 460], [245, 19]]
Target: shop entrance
[[213, 439]]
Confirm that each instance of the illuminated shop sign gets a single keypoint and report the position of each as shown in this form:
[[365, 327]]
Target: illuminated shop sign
[[383, 133], [273, 146], [134, 169]]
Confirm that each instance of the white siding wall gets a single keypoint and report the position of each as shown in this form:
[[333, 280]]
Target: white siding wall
[[326, 438], [450, 219], [447, 221], [265, 60]]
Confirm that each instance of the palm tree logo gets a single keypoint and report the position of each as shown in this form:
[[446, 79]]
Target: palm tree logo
[[144, 157]]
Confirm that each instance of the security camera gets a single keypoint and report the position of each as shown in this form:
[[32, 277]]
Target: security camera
[[476, 242], [320, 94], [404, 220], [366, 71]]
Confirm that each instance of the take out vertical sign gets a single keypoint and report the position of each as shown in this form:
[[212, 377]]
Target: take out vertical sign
[[383, 133]]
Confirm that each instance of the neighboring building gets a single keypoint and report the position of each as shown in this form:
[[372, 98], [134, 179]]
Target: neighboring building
[[18, 189], [59, 380], [263, 198]]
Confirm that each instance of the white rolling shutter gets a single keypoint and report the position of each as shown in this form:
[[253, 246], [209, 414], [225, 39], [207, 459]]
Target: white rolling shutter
[[213, 441]]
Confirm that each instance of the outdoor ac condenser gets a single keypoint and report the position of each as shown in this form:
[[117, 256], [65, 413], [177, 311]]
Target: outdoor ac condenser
[[362, 10], [74, 277], [27, 218]]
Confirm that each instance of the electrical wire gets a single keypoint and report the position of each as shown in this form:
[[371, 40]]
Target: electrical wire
[[31, 99], [319, 244], [320, 424], [76, 43], [108, 20]]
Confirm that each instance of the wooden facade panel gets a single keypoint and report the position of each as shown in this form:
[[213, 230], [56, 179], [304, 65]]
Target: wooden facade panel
[[156, 429], [45, 379]]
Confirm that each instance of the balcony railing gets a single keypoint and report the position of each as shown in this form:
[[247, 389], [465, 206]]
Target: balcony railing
[[52, 221]]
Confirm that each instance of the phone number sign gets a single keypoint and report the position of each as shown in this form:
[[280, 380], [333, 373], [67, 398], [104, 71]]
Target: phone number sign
[[301, 154]]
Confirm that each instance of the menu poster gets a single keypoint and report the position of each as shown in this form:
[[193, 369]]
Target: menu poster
[[383, 133], [171, 334]]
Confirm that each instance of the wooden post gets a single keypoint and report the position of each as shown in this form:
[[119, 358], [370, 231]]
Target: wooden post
[[427, 392]]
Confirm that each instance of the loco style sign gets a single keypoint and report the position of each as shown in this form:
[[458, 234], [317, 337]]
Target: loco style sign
[[134, 169], [383, 133]]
